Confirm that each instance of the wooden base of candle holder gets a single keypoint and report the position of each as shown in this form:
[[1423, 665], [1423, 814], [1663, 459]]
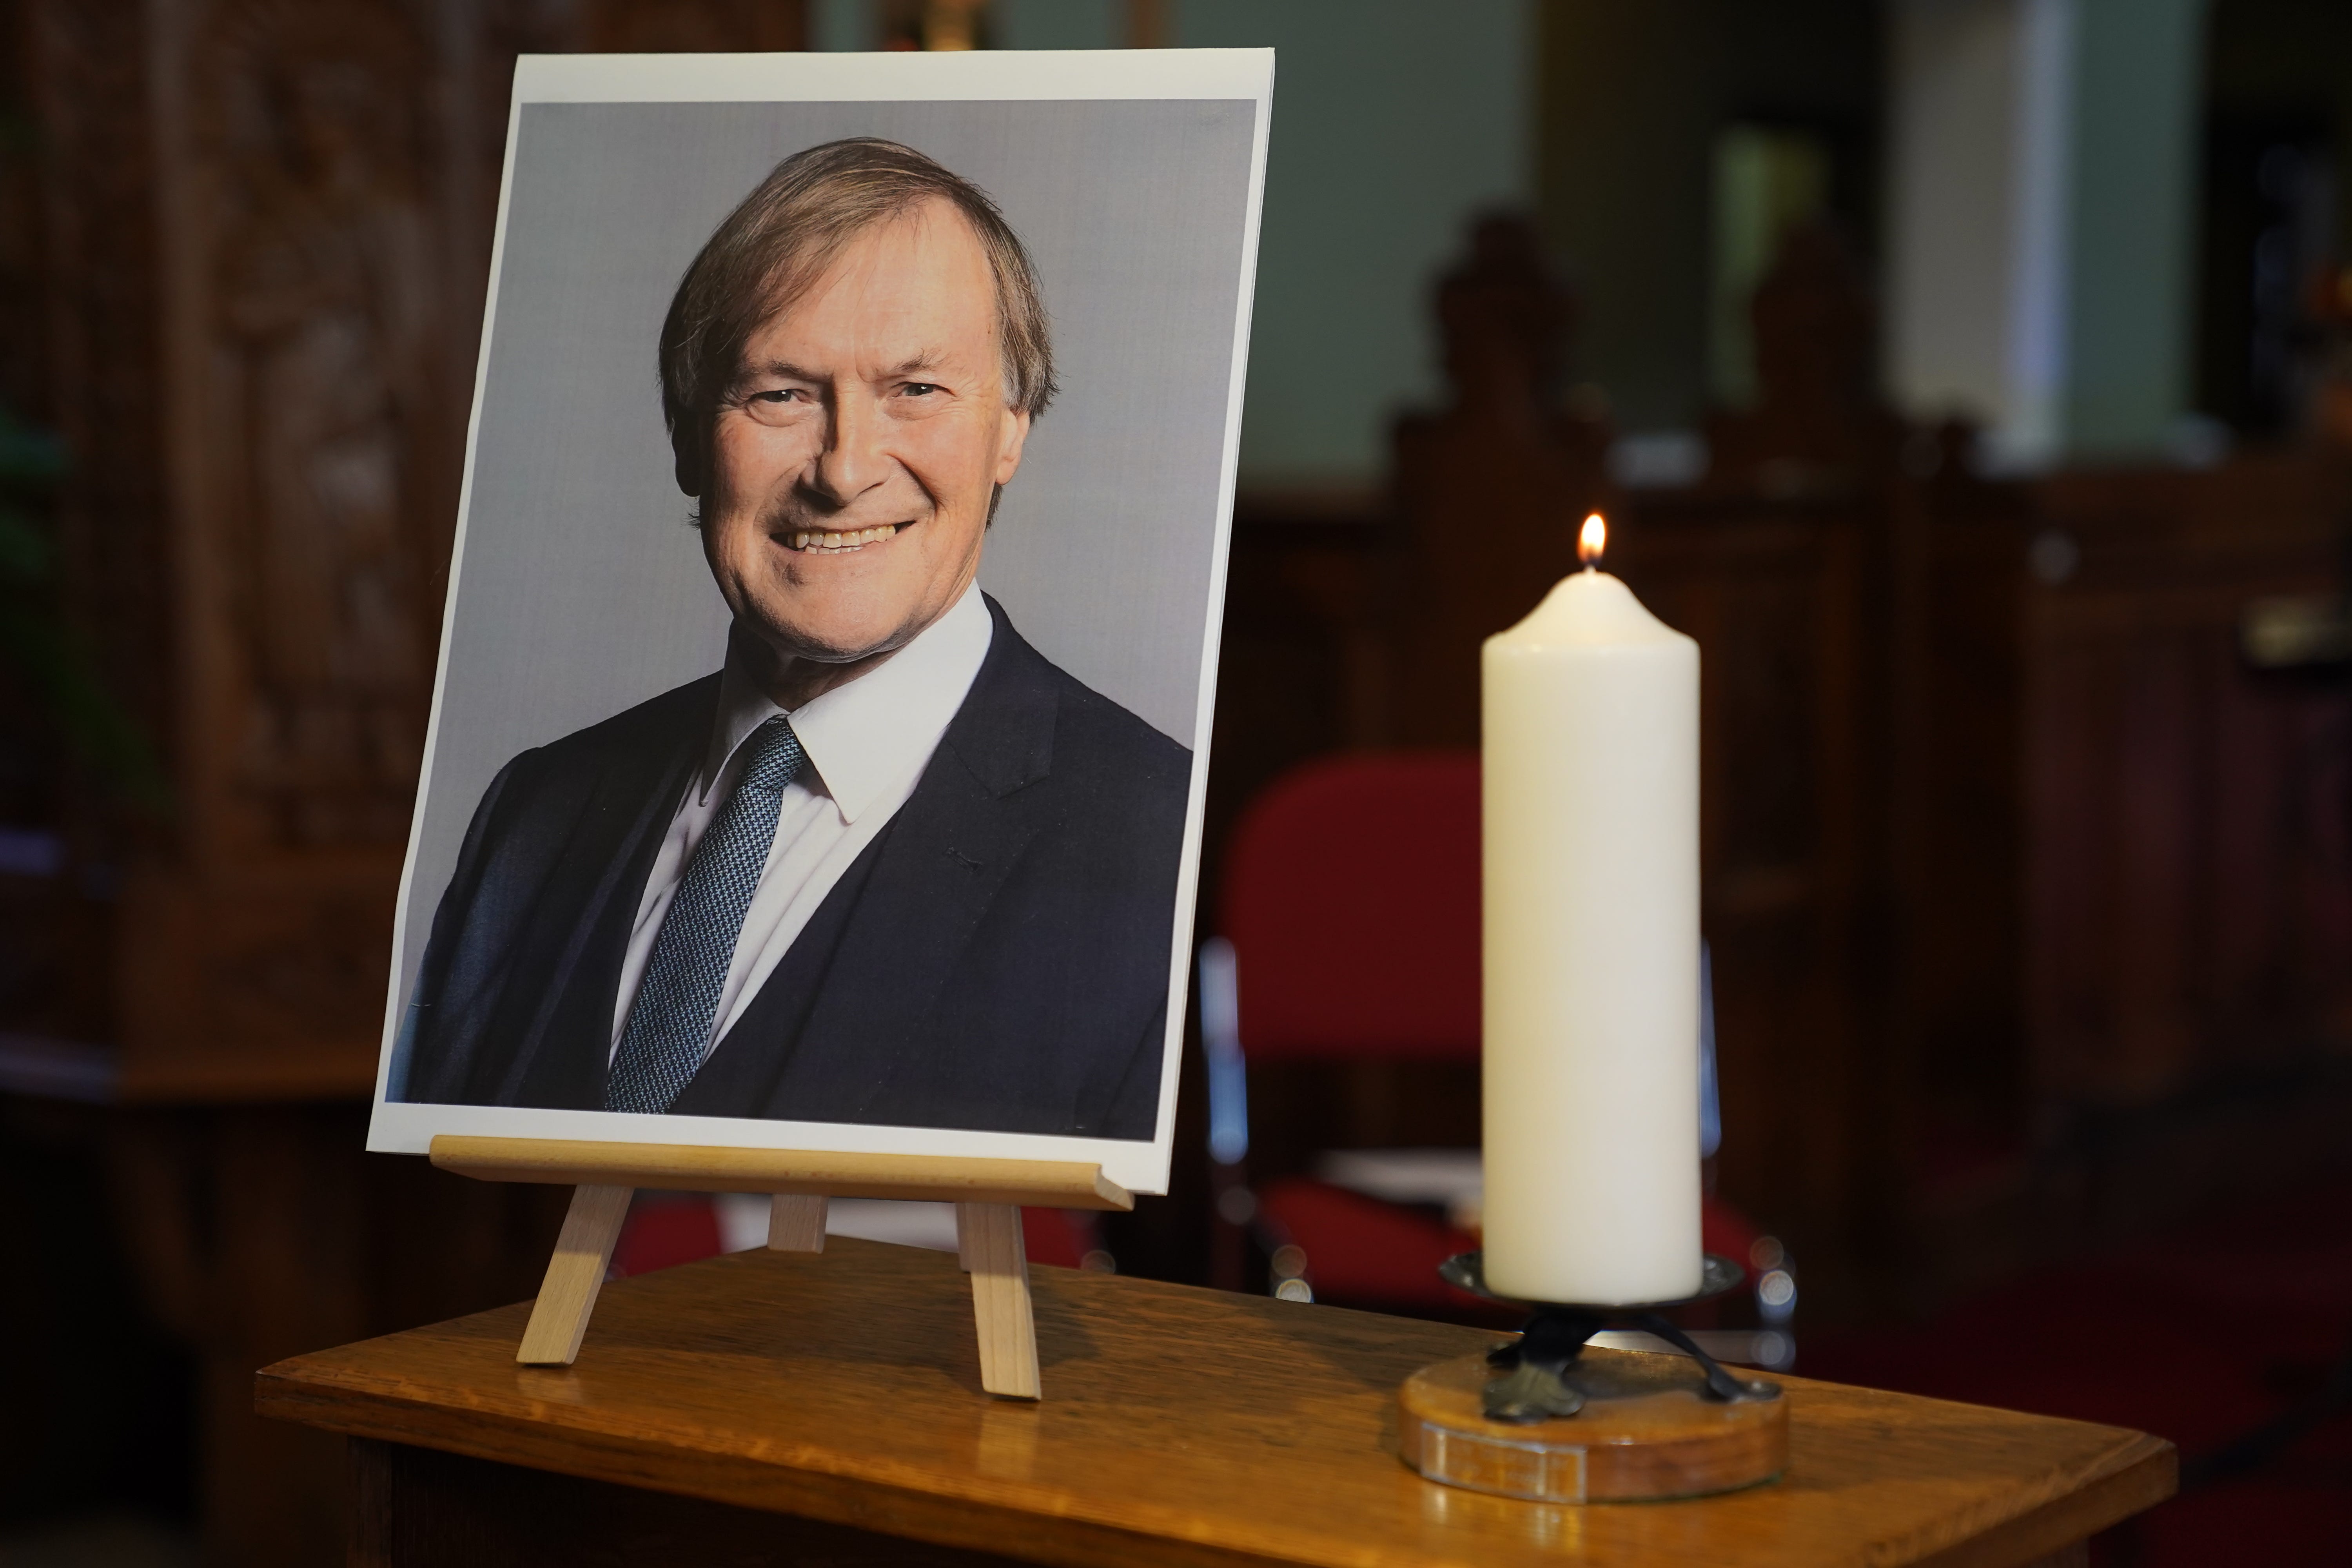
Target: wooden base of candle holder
[[1647, 1432]]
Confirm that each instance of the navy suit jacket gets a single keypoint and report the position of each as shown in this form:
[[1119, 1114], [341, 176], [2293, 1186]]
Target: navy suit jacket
[[997, 959]]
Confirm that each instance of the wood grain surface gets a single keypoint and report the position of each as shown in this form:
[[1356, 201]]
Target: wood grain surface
[[1186, 1427], [939, 1178]]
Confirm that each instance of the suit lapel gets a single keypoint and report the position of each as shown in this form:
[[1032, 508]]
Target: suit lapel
[[942, 867], [945, 857], [563, 1052]]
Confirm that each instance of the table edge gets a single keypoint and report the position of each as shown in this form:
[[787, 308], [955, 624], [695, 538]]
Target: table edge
[[2128, 1481], [2135, 1473], [943, 1516]]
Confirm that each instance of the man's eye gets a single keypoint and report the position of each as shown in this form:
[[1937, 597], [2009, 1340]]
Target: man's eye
[[918, 388], [776, 405]]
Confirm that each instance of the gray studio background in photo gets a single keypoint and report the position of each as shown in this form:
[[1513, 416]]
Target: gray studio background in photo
[[583, 590]]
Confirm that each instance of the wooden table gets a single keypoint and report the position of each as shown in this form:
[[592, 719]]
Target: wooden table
[[779, 1408]]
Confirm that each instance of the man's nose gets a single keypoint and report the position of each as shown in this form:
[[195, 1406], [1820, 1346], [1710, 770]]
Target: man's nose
[[852, 461]]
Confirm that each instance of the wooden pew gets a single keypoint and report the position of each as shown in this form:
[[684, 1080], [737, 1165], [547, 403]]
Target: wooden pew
[[2024, 890]]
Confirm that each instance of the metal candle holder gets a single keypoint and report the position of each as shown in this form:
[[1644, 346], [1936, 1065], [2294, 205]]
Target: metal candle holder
[[1535, 1386]]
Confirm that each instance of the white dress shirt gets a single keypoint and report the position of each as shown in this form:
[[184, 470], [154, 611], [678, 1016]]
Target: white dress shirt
[[867, 744]]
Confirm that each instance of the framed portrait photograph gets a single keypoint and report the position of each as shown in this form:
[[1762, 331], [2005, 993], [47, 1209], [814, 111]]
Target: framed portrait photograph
[[821, 727]]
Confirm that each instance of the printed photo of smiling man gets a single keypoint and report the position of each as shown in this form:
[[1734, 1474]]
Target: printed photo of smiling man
[[887, 864]]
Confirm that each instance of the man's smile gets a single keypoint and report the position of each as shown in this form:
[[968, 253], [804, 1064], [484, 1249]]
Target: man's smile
[[836, 541]]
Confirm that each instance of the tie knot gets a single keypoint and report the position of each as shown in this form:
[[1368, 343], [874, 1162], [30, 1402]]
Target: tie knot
[[772, 757]]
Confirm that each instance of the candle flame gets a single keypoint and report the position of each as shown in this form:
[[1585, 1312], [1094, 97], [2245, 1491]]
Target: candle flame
[[1592, 540]]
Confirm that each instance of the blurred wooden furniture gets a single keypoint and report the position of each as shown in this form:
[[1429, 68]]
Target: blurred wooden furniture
[[1817, 417], [268, 230], [1780, 592], [2120, 901], [1835, 563], [767, 1407], [1490, 490], [265, 232], [2188, 885], [2028, 897]]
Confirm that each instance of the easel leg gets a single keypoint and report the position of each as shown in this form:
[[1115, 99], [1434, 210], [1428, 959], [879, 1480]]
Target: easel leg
[[988, 1238], [795, 1223], [574, 1274]]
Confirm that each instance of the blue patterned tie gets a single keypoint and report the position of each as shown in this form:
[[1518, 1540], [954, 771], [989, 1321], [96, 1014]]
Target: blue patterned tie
[[670, 1022]]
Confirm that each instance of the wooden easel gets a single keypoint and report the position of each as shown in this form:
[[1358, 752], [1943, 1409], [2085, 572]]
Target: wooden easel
[[987, 1193]]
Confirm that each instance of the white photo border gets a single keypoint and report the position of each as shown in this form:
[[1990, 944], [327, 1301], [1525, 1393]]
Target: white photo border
[[408, 1127]]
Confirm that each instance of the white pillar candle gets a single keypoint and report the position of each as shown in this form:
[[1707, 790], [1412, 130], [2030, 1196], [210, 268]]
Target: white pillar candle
[[1592, 950]]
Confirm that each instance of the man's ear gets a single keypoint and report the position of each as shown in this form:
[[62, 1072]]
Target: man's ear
[[687, 452], [1008, 451]]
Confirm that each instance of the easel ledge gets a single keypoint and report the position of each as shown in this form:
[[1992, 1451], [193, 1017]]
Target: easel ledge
[[987, 1194], [937, 1178]]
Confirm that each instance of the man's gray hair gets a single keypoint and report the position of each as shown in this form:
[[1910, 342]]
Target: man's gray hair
[[776, 244]]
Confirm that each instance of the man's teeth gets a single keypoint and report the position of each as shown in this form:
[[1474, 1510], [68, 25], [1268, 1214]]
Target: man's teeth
[[819, 539]]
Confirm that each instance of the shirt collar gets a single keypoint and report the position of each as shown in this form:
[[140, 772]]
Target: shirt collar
[[869, 733]]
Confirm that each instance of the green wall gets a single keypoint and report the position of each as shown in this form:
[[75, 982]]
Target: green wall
[[1058, 24], [1394, 123], [1634, 94], [2139, 66]]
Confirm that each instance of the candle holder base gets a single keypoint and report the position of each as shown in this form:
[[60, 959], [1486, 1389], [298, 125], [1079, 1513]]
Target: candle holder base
[[1562, 1424]]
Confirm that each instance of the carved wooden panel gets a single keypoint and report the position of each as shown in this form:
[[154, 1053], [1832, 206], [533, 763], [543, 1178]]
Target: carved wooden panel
[[98, 287], [273, 227], [267, 230], [1819, 417], [317, 376], [1490, 490]]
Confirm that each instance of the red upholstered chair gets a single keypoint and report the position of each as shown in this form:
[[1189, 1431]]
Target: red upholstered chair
[[1349, 922], [1351, 898]]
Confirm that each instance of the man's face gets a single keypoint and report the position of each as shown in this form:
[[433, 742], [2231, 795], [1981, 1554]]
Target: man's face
[[853, 463]]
